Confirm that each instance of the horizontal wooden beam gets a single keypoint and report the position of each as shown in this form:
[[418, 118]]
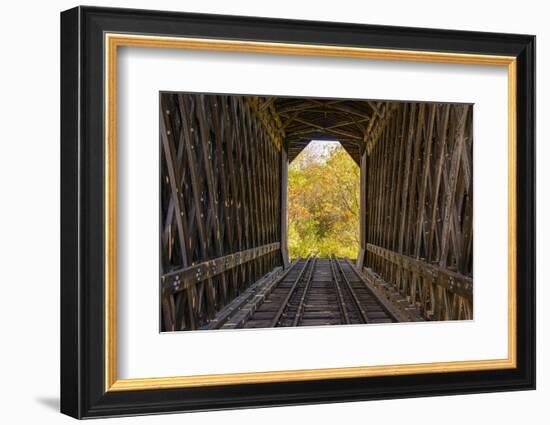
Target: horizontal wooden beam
[[344, 123], [451, 281], [308, 104], [318, 127], [183, 279]]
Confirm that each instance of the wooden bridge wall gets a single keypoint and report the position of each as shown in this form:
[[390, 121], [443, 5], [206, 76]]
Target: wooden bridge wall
[[220, 203], [417, 224]]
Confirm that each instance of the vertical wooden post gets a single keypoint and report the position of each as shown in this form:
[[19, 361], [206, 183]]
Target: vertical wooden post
[[362, 211], [284, 206]]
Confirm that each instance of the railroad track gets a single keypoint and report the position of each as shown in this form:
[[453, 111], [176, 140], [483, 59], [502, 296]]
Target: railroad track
[[319, 291]]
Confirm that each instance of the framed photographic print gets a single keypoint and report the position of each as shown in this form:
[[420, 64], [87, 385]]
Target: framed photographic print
[[261, 212]]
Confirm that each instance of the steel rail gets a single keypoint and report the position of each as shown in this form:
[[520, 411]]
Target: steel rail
[[300, 310], [341, 303], [233, 308], [353, 294], [283, 306]]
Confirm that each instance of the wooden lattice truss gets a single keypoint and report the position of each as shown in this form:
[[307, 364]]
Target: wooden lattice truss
[[418, 209], [220, 204]]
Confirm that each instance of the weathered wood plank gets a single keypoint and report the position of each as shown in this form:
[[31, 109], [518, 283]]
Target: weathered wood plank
[[183, 279]]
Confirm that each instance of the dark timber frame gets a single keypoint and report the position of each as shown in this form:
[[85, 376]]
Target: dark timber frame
[[83, 343]]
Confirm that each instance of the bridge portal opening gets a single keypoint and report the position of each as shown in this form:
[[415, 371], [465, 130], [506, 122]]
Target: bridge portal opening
[[323, 202]]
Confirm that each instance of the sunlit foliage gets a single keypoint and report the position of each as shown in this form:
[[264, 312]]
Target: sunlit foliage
[[323, 208]]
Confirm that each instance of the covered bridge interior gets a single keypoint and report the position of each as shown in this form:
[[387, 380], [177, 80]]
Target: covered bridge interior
[[224, 168]]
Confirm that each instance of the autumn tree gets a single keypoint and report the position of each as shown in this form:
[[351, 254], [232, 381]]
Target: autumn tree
[[323, 201]]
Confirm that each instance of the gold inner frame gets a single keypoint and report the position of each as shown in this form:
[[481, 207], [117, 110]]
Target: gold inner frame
[[113, 41]]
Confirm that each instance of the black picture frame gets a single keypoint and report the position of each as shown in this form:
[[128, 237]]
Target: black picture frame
[[83, 392]]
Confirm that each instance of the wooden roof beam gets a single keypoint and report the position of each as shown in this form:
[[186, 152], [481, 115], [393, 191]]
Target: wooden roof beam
[[309, 104], [327, 130], [332, 127]]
